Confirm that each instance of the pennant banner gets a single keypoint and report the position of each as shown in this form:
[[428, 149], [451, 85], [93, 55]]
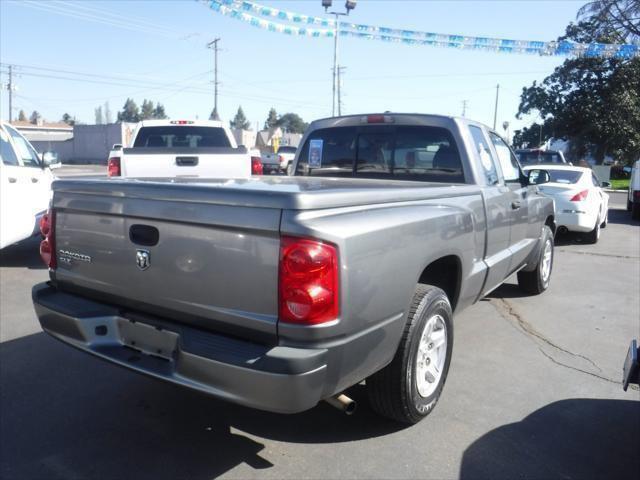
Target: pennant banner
[[310, 26]]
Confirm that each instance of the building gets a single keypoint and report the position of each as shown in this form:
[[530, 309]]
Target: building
[[79, 144]]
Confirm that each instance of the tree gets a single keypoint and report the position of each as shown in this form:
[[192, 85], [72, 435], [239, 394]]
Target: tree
[[159, 112], [22, 117], [292, 123], [240, 121], [130, 112], [68, 119], [618, 17], [35, 117], [107, 113], [98, 113], [592, 102], [272, 120], [146, 112]]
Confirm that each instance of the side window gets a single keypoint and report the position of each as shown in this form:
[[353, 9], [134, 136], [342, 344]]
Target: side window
[[595, 181], [7, 154], [508, 161], [26, 152], [483, 154]]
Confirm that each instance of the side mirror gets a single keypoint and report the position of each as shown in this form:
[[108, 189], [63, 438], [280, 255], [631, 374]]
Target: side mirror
[[50, 160], [605, 184], [117, 146], [538, 177]]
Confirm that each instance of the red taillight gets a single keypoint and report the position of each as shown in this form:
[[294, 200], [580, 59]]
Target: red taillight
[[47, 245], [308, 281], [578, 197], [256, 166], [113, 167], [181, 122]]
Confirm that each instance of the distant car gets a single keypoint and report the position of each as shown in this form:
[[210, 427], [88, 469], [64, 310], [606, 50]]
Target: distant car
[[633, 196], [286, 154], [270, 163], [180, 148], [535, 156], [25, 186], [580, 203]]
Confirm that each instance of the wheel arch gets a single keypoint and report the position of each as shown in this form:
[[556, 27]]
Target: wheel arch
[[446, 273]]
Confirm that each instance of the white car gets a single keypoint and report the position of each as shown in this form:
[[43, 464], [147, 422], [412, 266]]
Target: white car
[[580, 203], [286, 155], [25, 186], [180, 148]]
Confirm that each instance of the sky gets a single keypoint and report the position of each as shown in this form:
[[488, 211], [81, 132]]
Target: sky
[[72, 56]]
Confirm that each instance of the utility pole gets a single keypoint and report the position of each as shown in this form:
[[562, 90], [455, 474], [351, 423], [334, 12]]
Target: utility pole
[[464, 107], [340, 70], [495, 112], [214, 45], [10, 88]]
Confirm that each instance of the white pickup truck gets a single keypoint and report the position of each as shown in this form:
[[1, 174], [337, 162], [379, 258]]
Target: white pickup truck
[[180, 148]]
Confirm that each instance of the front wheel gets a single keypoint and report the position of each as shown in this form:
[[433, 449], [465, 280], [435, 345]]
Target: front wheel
[[409, 387], [537, 280]]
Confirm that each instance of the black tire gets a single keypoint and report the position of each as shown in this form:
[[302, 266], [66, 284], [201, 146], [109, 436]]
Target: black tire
[[534, 282], [392, 391], [629, 205], [635, 211], [594, 235], [606, 220]]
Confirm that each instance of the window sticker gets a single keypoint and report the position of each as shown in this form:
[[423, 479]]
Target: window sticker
[[315, 153]]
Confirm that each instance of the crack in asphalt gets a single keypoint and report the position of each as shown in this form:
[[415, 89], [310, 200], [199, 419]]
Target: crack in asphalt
[[595, 254], [508, 312]]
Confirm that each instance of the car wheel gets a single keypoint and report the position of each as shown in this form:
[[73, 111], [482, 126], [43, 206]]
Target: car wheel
[[409, 387], [594, 235], [629, 205], [537, 280], [635, 211], [290, 169], [606, 220]]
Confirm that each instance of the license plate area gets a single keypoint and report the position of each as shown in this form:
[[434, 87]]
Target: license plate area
[[148, 339]]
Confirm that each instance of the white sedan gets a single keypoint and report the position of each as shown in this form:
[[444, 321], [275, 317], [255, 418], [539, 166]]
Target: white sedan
[[580, 203]]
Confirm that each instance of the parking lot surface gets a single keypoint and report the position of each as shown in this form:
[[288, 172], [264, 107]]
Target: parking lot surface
[[533, 392]]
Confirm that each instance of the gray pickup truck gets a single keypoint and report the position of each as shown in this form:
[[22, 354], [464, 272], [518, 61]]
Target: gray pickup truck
[[280, 292]]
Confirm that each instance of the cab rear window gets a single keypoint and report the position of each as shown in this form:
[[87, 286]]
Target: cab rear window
[[181, 137], [417, 153]]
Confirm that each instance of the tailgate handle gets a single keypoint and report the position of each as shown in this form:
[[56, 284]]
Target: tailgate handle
[[186, 161], [144, 235]]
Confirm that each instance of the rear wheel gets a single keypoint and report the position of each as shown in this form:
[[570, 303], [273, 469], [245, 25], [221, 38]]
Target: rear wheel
[[606, 220], [629, 205], [290, 168], [537, 280], [409, 387], [635, 211], [594, 235]]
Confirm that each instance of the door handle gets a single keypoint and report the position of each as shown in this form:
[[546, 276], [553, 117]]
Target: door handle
[[34, 180], [12, 180], [186, 161], [515, 205]]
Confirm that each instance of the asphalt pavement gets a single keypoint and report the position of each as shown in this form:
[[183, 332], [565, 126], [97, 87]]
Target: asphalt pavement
[[533, 392]]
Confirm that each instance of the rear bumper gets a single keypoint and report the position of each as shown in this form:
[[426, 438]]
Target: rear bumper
[[576, 222], [277, 379]]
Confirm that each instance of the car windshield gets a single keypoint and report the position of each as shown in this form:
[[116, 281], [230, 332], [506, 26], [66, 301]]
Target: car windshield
[[181, 137], [24, 149], [397, 153], [287, 150], [564, 176], [532, 158]]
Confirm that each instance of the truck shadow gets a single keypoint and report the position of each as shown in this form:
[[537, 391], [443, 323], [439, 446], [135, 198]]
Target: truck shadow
[[66, 414], [23, 254], [576, 438]]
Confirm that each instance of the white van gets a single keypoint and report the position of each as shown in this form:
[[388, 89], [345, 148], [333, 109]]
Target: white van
[[633, 199], [25, 186]]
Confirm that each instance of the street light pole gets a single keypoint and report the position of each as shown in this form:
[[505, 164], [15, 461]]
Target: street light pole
[[349, 5], [214, 44]]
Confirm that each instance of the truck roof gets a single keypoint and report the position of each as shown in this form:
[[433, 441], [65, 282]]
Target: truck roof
[[180, 122], [394, 119]]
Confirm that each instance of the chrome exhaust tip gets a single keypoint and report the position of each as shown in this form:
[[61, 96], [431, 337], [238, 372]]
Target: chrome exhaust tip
[[342, 402]]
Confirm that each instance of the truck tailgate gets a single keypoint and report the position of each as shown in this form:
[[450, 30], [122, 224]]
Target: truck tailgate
[[209, 265], [181, 162]]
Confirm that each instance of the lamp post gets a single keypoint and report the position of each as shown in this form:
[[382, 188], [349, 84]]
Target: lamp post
[[349, 5]]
